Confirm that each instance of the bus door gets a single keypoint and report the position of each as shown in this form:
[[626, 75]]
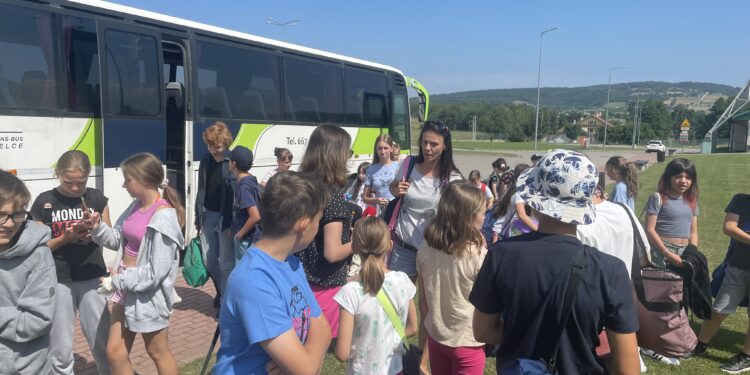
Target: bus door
[[179, 131], [132, 97]]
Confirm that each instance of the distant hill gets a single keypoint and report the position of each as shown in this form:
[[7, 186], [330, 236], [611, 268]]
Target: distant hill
[[588, 97]]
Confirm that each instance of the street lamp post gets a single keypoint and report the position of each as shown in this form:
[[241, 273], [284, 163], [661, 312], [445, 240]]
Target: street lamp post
[[538, 86], [606, 110], [283, 25]]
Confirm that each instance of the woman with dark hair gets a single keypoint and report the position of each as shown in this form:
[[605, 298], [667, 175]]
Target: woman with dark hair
[[672, 213], [433, 170]]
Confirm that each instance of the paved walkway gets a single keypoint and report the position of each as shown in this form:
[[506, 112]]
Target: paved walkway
[[191, 328]]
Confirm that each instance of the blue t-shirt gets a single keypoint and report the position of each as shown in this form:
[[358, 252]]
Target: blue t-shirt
[[620, 195], [265, 298], [246, 196], [379, 176]]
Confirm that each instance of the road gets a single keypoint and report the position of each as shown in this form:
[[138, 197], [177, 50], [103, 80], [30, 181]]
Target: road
[[468, 160]]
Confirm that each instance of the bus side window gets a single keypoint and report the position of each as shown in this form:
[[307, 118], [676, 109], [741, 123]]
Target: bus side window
[[82, 64], [27, 60]]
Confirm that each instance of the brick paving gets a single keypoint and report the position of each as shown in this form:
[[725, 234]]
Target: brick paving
[[191, 328]]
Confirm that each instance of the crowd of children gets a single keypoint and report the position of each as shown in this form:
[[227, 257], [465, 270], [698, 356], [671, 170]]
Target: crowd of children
[[281, 254]]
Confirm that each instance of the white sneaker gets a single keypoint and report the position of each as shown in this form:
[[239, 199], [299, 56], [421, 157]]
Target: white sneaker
[[643, 365], [660, 358]]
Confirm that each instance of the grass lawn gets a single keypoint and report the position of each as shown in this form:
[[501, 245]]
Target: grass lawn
[[720, 177], [518, 146]]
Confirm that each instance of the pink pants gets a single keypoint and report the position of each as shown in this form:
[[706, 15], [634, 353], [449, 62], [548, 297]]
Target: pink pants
[[463, 360], [328, 305]]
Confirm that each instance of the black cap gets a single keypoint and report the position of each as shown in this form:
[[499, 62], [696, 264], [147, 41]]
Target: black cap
[[243, 157]]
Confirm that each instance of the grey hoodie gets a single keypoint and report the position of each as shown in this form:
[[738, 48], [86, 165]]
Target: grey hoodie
[[27, 301], [149, 285]]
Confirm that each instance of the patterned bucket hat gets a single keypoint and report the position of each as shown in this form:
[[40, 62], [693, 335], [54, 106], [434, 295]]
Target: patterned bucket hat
[[561, 186]]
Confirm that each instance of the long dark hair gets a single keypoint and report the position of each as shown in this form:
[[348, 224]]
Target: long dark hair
[[501, 208], [446, 157], [327, 155], [354, 180], [676, 167], [626, 172]]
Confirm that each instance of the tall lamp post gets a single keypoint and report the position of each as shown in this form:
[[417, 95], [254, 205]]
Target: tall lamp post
[[606, 110], [538, 86], [283, 25]]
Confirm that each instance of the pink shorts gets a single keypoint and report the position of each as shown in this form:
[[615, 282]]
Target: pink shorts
[[118, 296], [330, 308]]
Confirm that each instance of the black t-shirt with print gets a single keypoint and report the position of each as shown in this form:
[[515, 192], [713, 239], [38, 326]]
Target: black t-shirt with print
[[525, 278], [73, 261], [739, 252], [319, 271]]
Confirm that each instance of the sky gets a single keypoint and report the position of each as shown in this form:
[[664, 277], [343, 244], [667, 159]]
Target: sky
[[467, 45]]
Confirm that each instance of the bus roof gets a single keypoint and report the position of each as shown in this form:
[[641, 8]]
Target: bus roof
[[219, 30]]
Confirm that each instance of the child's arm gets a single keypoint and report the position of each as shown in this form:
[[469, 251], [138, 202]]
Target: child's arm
[[293, 358], [412, 325], [656, 241], [694, 231], [253, 217], [333, 250], [521, 211], [31, 316], [344, 341], [624, 353]]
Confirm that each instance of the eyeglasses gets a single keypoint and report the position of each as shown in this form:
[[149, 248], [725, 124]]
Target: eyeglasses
[[439, 125], [17, 217]]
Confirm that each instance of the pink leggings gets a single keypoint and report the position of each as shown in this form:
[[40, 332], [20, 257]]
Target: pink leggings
[[464, 360]]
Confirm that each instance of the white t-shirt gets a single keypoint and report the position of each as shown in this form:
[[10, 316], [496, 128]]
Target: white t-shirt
[[376, 347], [510, 212], [612, 233], [487, 191], [419, 206], [268, 175]]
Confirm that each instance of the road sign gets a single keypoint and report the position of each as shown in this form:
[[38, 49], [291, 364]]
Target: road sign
[[685, 125], [684, 136]]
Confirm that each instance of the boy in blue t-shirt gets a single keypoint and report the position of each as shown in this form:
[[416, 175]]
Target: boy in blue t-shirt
[[246, 226], [270, 319]]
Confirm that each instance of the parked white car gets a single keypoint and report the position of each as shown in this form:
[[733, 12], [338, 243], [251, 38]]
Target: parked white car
[[655, 146]]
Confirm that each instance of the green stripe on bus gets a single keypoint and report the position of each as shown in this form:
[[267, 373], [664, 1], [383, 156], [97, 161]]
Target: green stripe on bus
[[365, 142], [90, 141], [248, 135]]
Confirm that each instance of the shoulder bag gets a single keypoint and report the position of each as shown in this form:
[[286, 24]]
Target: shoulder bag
[[413, 355], [394, 206], [664, 324]]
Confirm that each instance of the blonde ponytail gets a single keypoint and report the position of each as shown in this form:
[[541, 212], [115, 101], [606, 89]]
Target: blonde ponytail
[[371, 241]]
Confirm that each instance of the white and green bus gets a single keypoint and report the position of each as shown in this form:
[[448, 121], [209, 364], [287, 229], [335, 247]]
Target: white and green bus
[[112, 81]]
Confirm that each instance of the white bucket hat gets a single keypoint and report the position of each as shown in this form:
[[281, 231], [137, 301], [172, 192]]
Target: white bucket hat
[[561, 186]]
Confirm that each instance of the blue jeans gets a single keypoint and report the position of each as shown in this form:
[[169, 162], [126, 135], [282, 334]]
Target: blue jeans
[[218, 249], [404, 260]]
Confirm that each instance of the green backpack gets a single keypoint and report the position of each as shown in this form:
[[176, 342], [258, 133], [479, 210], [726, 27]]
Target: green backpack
[[193, 270]]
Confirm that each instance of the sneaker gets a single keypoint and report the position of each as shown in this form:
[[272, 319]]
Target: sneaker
[[660, 358], [739, 363], [699, 350]]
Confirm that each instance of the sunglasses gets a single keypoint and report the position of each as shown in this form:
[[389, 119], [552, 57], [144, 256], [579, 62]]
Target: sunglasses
[[437, 125]]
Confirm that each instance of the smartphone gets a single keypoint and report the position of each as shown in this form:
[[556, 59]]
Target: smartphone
[[83, 205]]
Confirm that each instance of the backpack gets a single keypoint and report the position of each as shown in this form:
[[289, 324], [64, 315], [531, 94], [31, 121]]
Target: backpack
[[194, 270]]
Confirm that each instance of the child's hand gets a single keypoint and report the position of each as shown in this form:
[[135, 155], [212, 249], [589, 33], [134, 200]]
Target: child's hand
[[273, 369], [92, 220]]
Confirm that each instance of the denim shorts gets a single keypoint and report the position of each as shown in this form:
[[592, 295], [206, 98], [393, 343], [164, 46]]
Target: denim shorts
[[734, 288], [404, 260]]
